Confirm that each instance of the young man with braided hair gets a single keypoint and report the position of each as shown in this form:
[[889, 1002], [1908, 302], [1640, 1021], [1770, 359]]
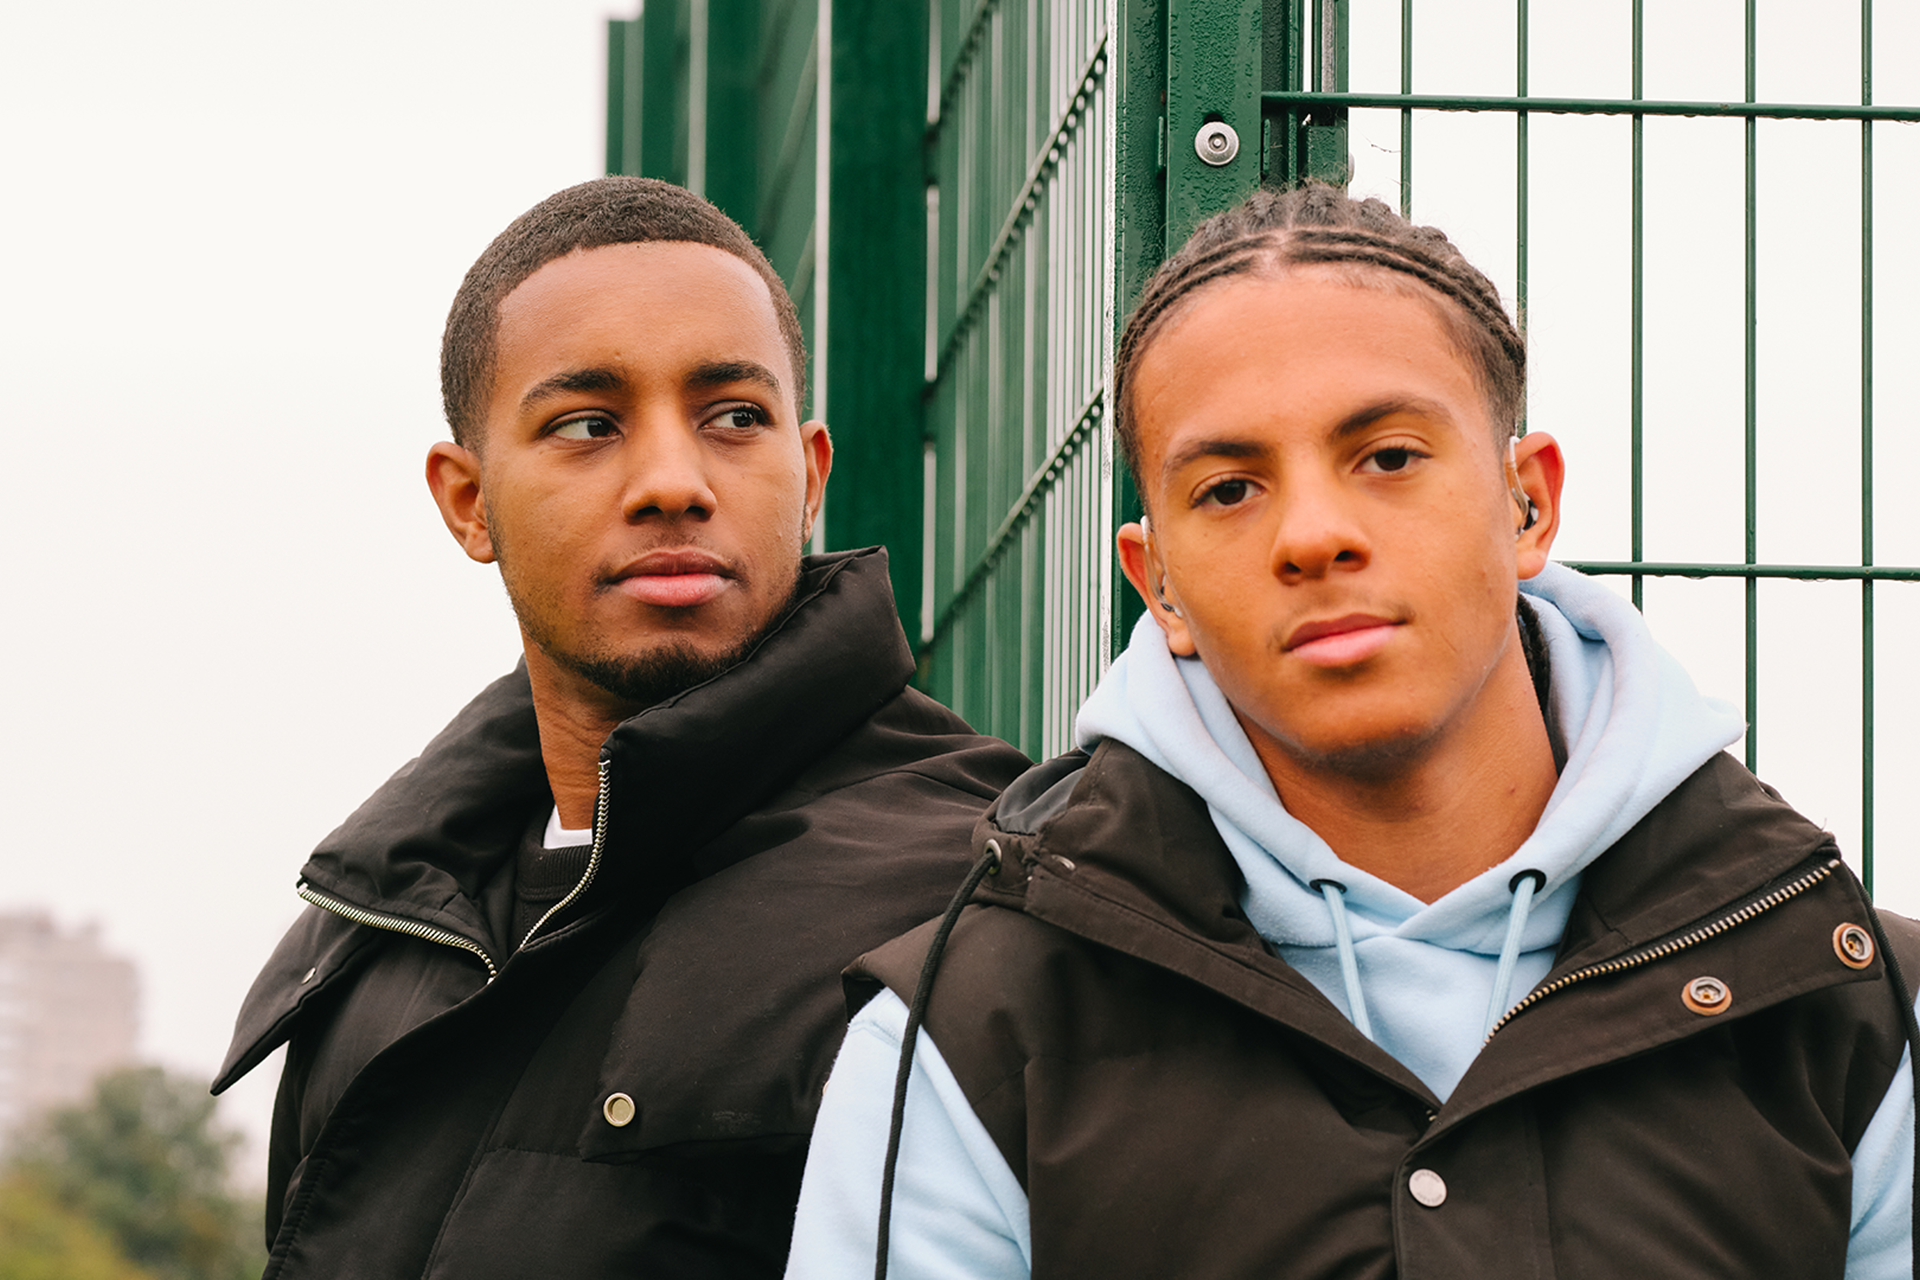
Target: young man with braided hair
[[569, 987], [1401, 913]]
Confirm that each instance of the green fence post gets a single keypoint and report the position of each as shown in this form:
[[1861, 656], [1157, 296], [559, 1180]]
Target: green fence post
[[1866, 448], [619, 108], [1140, 237], [1328, 158], [1214, 60], [731, 110], [875, 67], [1284, 132], [663, 91]]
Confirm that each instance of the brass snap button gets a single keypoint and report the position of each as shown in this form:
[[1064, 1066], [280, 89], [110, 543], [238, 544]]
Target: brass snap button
[[1853, 945], [1706, 996], [619, 1110]]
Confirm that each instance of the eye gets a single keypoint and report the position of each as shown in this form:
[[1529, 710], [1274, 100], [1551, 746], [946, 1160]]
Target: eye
[[1227, 493], [1393, 458], [587, 427], [740, 417]]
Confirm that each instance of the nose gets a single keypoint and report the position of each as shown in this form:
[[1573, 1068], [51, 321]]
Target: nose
[[668, 474], [1318, 531]]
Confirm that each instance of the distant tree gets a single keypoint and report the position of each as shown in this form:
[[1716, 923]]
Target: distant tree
[[42, 1239], [145, 1163]]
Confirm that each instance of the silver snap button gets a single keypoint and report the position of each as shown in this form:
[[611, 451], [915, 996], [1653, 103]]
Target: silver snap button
[[619, 1110], [1216, 143], [307, 977], [1706, 996], [1853, 945], [1428, 1187]]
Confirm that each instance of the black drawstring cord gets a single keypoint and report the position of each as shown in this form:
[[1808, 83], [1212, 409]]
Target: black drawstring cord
[[916, 1013], [1903, 995]]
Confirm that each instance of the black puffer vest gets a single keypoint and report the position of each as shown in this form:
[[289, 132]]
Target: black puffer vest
[[632, 1094], [1177, 1100]]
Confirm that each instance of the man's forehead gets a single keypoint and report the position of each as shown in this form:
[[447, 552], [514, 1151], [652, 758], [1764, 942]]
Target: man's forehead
[[700, 304], [645, 270]]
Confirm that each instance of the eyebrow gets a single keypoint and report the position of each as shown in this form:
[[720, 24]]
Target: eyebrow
[[703, 377], [1354, 423], [570, 382], [1360, 419], [721, 373], [1194, 450]]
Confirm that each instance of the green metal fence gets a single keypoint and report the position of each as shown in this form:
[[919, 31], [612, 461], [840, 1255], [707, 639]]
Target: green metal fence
[[1018, 470], [1841, 181], [966, 196]]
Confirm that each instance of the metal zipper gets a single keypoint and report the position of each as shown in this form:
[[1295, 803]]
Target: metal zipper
[[396, 924], [1679, 942], [593, 858]]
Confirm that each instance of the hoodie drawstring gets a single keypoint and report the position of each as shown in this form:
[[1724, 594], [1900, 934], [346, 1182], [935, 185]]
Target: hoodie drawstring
[[1523, 887], [1335, 894]]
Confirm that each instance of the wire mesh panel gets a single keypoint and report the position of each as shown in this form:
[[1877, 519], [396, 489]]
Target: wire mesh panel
[[1018, 469], [1693, 210]]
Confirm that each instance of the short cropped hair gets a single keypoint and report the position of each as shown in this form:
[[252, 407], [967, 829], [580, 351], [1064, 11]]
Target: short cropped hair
[[1320, 225], [605, 211]]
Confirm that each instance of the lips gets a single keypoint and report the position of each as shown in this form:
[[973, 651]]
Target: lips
[[673, 578], [1340, 642]]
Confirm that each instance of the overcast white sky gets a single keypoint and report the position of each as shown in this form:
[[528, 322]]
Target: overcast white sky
[[234, 228]]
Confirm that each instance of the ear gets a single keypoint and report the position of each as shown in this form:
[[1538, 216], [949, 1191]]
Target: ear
[[453, 475], [816, 446], [1540, 470], [1140, 561]]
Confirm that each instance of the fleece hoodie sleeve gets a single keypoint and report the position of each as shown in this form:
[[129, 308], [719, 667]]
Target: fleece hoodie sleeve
[[1880, 1246], [958, 1211]]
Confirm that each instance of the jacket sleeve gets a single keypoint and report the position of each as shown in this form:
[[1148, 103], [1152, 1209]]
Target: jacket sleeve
[[958, 1210], [1880, 1243]]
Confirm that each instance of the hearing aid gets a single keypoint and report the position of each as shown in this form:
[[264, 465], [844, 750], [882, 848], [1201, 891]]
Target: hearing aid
[[1530, 514], [1159, 583]]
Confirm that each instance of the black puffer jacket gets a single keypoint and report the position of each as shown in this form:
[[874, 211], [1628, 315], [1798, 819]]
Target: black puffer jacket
[[758, 832], [1177, 1100]]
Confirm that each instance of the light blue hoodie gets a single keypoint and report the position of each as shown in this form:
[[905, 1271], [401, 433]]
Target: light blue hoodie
[[1423, 980]]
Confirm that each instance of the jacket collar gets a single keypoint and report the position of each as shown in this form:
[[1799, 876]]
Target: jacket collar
[[1116, 850], [1124, 854], [1719, 836], [427, 841]]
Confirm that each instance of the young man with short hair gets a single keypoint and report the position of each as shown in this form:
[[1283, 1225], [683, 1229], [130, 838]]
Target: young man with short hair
[[1402, 914], [569, 985]]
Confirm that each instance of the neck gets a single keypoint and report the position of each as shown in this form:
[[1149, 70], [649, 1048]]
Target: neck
[[575, 718], [1457, 805]]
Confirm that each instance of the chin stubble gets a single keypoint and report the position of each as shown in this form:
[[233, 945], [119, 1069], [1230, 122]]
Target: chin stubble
[[645, 679]]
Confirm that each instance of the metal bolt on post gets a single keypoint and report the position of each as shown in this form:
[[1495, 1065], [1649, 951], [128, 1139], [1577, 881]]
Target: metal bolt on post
[[1216, 143]]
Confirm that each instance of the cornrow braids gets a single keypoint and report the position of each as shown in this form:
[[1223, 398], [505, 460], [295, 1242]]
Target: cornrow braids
[[1320, 225]]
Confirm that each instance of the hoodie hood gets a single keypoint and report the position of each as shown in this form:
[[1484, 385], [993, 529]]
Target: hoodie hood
[[1633, 727]]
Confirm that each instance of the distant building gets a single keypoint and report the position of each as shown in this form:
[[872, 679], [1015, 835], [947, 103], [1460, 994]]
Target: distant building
[[67, 1013]]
